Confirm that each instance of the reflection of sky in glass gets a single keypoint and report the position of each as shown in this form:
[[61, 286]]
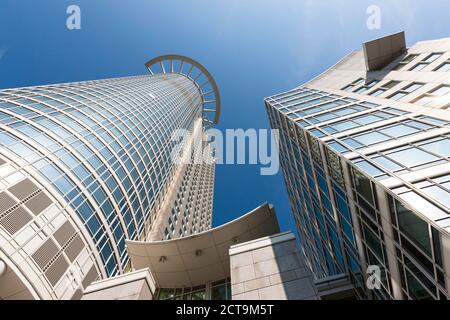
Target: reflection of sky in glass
[[386, 163], [371, 138], [438, 194], [441, 147], [412, 157], [422, 205], [399, 130], [368, 168]]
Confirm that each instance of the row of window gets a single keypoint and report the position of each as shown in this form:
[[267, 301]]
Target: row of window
[[414, 281], [418, 247], [418, 243], [312, 206], [443, 67], [435, 98]]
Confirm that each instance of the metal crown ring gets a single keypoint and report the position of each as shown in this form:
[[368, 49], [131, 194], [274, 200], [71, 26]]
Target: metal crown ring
[[192, 64]]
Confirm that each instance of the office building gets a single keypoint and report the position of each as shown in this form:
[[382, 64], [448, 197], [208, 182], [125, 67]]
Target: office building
[[86, 166], [365, 150]]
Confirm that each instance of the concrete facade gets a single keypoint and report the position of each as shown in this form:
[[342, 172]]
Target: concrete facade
[[270, 268], [137, 285]]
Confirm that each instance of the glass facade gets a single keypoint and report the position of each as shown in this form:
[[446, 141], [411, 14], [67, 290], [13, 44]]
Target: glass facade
[[366, 169], [313, 198], [104, 146]]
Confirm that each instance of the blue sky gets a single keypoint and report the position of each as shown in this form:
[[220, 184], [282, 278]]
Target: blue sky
[[253, 49]]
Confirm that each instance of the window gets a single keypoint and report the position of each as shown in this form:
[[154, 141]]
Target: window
[[352, 123], [437, 188], [423, 64], [338, 147], [413, 227], [414, 238], [371, 138], [406, 157], [299, 107], [413, 87], [438, 193], [405, 61], [438, 122], [347, 87], [384, 88], [398, 96], [377, 92], [317, 133], [390, 84], [336, 113], [426, 153], [405, 91], [386, 163], [432, 57], [297, 96], [440, 147], [436, 98], [368, 168], [361, 90], [198, 295], [368, 119], [416, 289], [352, 85], [221, 290], [412, 157], [367, 86], [445, 67], [419, 67]]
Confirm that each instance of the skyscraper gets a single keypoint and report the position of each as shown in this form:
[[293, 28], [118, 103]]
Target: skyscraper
[[86, 165], [365, 152]]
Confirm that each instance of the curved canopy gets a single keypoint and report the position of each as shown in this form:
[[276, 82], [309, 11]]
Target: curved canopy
[[204, 257]]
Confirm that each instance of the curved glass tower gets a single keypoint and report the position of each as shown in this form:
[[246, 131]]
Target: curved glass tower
[[86, 165]]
